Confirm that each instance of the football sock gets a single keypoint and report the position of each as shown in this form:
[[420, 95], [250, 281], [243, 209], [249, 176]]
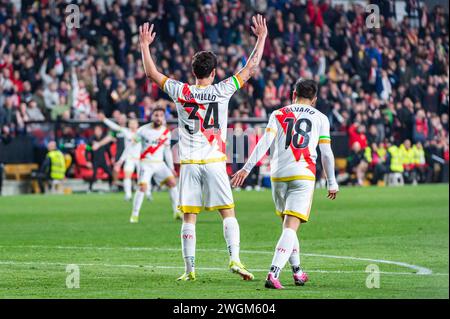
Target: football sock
[[173, 193], [137, 203], [294, 259], [188, 240], [283, 251], [148, 191], [127, 187], [231, 234]]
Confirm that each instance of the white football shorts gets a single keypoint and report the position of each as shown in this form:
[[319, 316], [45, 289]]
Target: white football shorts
[[131, 164], [159, 171], [204, 186], [293, 198]]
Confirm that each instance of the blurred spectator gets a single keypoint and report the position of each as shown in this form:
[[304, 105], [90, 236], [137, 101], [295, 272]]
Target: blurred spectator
[[421, 129], [357, 164], [376, 158], [356, 134], [100, 156]]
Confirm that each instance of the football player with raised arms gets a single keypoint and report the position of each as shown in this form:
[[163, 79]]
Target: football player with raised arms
[[202, 123], [293, 131]]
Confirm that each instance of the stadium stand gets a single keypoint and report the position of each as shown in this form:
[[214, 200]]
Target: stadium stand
[[379, 87]]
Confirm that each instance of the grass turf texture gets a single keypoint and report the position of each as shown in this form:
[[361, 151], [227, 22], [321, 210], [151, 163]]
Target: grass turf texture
[[40, 235]]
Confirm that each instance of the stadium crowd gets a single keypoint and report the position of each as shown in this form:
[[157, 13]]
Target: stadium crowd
[[386, 87]]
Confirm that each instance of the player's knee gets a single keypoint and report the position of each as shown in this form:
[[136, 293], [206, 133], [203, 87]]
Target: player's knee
[[171, 182], [189, 218], [227, 212], [291, 222], [143, 187]]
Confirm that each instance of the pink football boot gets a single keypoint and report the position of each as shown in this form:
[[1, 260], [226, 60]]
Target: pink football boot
[[300, 278], [272, 282]]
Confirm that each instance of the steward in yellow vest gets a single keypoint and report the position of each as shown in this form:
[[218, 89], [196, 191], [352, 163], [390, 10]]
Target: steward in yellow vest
[[57, 165], [53, 168], [418, 155], [396, 161], [407, 155]]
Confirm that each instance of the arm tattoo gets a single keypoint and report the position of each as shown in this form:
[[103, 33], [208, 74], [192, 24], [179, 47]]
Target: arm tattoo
[[254, 64], [251, 67]]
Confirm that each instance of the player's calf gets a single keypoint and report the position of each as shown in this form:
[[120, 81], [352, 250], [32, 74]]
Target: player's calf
[[127, 186], [231, 234], [137, 202]]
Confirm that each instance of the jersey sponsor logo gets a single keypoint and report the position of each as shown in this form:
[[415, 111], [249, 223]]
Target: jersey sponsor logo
[[159, 142], [208, 125], [297, 136]]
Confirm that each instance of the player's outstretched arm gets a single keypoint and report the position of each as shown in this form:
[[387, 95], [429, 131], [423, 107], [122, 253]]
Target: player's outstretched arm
[[146, 37], [111, 124], [104, 141], [259, 28], [328, 166], [260, 150]]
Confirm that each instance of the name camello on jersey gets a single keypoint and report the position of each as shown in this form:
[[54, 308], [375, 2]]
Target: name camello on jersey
[[201, 96]]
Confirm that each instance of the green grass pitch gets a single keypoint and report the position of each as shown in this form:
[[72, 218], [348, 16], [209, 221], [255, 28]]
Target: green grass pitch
[[401, 230]]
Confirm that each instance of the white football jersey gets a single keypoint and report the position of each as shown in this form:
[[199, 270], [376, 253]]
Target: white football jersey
[[132, 148], [298, 129], [202, 118], [153, 142]]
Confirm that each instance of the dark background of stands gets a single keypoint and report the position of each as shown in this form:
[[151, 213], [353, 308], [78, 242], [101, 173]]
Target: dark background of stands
[[22, 149]]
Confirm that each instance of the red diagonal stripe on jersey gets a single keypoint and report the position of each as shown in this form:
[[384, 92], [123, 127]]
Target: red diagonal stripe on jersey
[[161, 140], [210, 134], [298, 152]]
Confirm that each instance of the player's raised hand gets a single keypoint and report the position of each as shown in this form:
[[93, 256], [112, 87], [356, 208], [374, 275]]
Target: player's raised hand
[[238, 178], [146, 34], [259, 26], [332, 194]]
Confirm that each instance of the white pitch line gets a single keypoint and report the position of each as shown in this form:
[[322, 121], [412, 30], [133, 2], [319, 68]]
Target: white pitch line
[[418, 270], [31, 263]]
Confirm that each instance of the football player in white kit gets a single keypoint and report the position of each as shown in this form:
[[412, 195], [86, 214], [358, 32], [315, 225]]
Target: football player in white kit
[[131, 155], [156, 161], [295, 131], [202, 123]]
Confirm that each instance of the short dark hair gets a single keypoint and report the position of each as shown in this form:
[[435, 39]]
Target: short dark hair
[[203, 63], [306, 88], [159, 108]]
